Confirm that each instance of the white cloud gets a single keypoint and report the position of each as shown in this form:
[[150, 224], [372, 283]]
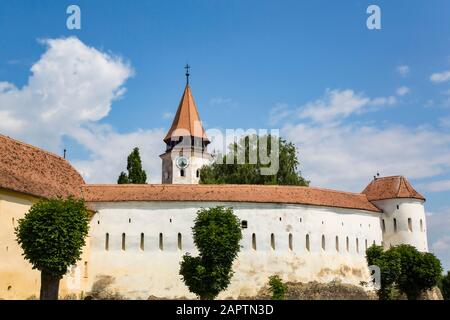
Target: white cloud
[[347, 156], [438, 225], [436, 186], [279, 113], [168, 115], [440, 76], [72, 84], [403, 91], [71, 88], [109, 152], [339, 104], [403, 70], [223, 103]]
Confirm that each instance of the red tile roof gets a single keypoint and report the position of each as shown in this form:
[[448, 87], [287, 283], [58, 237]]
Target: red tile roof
[[30, 170], [187, 120], [228, 193], [391, 188]]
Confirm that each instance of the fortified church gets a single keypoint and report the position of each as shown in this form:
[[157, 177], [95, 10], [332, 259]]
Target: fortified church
[[139, 233]]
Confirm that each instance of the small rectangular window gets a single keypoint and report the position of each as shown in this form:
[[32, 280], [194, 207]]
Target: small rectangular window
[[244, 224], [142, 244], [161, 242], [86, 269], [180, 242], [272, 241]]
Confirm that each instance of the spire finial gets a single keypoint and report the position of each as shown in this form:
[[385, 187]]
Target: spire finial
[[187, 67]]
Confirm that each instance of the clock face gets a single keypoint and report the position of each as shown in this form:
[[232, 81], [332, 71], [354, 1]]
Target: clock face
[[182, 162]]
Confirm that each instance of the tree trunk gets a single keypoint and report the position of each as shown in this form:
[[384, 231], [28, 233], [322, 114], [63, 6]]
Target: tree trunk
[[49, 286]]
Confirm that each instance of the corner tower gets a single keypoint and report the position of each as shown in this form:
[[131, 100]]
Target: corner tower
[[186, 143], [403, 218]]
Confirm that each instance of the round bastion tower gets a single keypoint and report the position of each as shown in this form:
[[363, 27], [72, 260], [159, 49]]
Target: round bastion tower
[[403, 217]]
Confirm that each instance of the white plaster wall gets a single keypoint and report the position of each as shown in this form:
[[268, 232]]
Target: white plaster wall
[[140, 273], [407, 208]]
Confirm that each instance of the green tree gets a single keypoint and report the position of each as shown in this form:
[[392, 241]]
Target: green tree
[[405, 268], [52, 235], [277, 287], [136, 175], [390, 268], [217, 234], [220, 172], [421, 271], [445, 286], [123, 178]]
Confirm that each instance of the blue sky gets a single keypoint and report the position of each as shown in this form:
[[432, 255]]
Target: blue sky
[[355, 101]]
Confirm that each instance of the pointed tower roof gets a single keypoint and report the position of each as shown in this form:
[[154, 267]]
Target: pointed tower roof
[[187, 120], [391, 188]]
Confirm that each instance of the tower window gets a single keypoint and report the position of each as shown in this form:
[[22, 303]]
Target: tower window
[[347, 244], [410, 224], [272, 241], [85, 269], [142, 242], [337, 244], [323, 242], [180, 242], [291, 245], [254, 241], [244, 224], [182, 173], [198, 173], [123, 242], [383, 225], [308, 247], [161, 242], [395, 225], [421, 225], [366, 245], [107, 242], [357, 245]]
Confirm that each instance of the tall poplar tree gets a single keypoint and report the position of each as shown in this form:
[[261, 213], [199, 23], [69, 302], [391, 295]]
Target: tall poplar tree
[[136, 175]]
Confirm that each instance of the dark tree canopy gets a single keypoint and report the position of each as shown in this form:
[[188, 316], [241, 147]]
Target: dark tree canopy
[[136, 175], [405, 268], [52, 235], [390, 268], [421, 271], [217, 234], [445, 286], [224, 172]]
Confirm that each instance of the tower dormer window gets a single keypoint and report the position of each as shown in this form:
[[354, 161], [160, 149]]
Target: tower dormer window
[[182, 173]]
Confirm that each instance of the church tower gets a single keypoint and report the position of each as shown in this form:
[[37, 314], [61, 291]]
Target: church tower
[[186, 143]]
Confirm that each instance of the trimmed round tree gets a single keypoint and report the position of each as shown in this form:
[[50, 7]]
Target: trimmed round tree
[[421, 271], [217, 233], [52, 235]]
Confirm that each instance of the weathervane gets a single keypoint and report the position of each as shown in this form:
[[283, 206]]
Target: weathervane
[[187, 67]]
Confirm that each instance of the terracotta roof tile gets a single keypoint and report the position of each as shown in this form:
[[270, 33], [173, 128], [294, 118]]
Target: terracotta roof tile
[[228, 193], [391, 188], [187, 120], [27, 169]]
